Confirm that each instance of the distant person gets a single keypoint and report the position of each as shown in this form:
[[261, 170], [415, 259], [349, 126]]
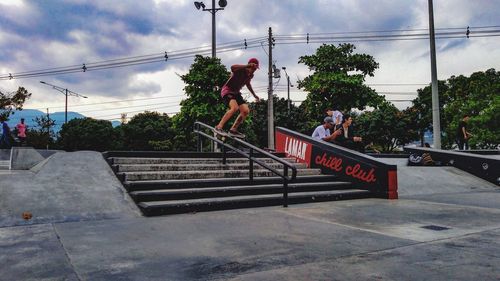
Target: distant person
[[5, 139], [21, 132], [323, 132], [337, 117], [347, 137], [241, 75], [462, 134], [426, 157], [335, 114]]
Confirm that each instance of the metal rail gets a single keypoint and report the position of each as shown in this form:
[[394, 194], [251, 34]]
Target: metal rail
[[250, 156]]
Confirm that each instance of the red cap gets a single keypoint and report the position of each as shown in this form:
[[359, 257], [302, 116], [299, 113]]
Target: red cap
[[254, 60]]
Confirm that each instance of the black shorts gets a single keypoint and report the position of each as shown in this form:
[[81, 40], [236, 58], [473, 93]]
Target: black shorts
[[239, 99]]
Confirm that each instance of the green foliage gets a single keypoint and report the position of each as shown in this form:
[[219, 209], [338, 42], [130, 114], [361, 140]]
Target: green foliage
[[13, 101], [148, 131], [337, 80], [258, 117], [477, 95], [385, 127], [203, 83], [421, 110], [87, 134], [42, 136]]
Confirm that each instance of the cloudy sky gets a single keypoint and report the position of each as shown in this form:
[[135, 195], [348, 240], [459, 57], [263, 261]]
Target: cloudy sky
[[47, 35]]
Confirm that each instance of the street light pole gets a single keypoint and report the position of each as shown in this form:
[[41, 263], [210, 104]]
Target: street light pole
[[67, 93], [213, 10], [213, 28], [288, 89]]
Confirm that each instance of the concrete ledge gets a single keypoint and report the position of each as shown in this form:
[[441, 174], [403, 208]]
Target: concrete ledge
[[25, 158], [486, 167]]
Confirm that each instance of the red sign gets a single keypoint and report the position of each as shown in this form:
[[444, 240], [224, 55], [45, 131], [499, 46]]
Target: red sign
[[294, 147]]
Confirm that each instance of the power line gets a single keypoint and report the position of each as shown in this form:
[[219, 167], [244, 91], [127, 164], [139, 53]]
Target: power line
[[251, 43], [108, 102]]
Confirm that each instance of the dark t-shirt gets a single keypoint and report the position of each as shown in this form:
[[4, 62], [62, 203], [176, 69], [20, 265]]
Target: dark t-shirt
[[460, 133]]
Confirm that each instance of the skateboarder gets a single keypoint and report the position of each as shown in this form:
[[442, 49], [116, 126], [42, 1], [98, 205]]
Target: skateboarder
[[241, 75]]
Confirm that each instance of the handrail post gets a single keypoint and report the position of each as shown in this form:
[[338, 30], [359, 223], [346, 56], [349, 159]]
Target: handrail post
[[198, 137], [251, 164], [223, 155], [285, 186]]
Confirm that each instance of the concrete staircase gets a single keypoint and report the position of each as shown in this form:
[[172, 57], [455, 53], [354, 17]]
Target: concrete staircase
[[4, 159], [180, 184], [4, 164]]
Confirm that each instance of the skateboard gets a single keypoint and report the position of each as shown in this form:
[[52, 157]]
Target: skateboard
[[222, 135]]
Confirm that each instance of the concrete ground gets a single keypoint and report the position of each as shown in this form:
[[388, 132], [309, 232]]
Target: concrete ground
[[445, 226]]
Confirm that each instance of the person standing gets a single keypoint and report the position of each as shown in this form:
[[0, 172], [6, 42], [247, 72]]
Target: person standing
[[241, 75], [21, 132], [462, 133], [5, 139]]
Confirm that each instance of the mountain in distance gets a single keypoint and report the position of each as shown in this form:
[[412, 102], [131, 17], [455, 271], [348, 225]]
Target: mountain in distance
[[30, 115]]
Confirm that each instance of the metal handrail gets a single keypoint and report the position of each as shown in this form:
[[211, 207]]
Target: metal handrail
[[286, 165]]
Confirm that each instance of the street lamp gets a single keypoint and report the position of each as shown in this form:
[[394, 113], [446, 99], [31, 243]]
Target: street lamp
[[67, 93], [288, 88], [213, 10]]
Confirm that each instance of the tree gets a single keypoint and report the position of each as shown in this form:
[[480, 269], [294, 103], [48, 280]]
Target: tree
[[386, 127], [203, 83], [42, 136], [477, 96], [12, 101], [421, 110], [258, 117], [148, 131], [87, 134], [337, 80]]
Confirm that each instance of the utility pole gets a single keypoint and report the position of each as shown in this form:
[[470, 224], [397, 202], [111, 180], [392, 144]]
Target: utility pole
[[270, 108], [67, 93], [436, 125], [288, 85]]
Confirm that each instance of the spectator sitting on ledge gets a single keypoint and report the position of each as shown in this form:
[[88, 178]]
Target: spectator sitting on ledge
[[346, 136], [322, 132]]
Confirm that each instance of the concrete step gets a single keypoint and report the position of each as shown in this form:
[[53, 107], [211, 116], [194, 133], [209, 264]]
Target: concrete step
[[139, 160], [211, 204], [165, 175], [4, 164], [219, 182], [196, 167], [227, 191]]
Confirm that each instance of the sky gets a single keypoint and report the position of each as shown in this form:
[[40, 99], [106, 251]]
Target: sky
[[49, 34]]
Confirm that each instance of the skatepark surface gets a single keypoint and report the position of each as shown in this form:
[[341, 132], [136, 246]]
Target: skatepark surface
[[444, 226]]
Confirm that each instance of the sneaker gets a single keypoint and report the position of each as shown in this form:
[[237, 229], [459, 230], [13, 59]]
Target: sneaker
[[219, 131], [235, 133]]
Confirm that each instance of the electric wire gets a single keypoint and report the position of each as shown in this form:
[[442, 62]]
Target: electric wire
[[258, 42]]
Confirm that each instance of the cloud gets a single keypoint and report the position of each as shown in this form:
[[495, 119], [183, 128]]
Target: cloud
[[46, 34]]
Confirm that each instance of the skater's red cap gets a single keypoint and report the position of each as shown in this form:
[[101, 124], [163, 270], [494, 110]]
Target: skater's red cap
[[254, 60]]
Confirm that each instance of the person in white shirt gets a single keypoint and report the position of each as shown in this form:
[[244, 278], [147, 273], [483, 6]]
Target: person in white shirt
[[335, 114], [322, 132]]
